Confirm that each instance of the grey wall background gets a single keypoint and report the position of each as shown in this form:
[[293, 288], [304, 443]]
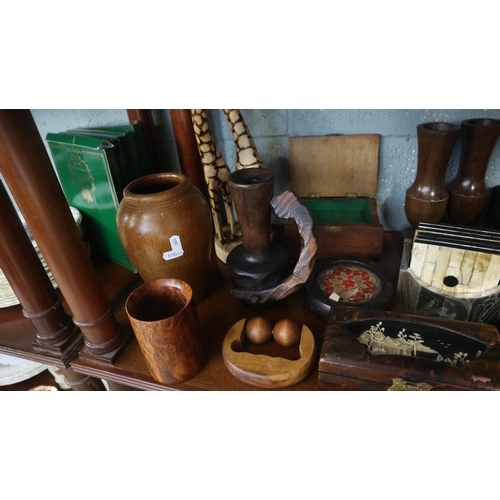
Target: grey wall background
[[272, 128]]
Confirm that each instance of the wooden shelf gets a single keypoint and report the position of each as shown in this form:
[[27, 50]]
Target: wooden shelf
[[217, 313], [17, 333]]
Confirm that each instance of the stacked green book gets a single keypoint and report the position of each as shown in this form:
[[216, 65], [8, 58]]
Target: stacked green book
[[93, 166]]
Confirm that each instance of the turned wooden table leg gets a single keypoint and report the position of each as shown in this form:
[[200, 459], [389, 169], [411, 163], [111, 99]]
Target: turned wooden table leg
[[56, 334], [144, 117], [29, 174], [187, 148]]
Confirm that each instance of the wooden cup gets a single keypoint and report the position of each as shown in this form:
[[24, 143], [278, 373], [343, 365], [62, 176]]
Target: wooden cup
[[165, 322]]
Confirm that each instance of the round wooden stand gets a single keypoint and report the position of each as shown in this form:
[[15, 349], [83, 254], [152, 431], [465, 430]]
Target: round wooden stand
[[262, 370]]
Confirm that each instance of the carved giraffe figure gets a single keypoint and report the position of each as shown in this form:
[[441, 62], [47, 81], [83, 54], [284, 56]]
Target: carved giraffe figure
[[246, 151], [217, 172]]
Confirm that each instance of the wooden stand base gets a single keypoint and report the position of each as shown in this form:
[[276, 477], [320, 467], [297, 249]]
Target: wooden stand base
[[262, 370], [108, 360]]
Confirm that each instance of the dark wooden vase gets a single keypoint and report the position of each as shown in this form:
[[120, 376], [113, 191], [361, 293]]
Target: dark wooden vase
[[468, 191], [427, 198], [258, 262]]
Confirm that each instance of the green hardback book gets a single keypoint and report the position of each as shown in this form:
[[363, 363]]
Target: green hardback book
[[136, 146], [119, 164], [86, 167], [132, 154]]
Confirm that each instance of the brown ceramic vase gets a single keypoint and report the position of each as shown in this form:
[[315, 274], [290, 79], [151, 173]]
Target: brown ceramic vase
[[468, 191], [427, 198], [165, 227]]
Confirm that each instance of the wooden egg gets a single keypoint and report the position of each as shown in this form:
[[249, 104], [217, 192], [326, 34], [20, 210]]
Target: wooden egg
[[286, 332], [258, 330]]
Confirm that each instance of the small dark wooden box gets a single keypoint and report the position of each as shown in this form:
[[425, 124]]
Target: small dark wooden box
[[336, 177], [407, 352]]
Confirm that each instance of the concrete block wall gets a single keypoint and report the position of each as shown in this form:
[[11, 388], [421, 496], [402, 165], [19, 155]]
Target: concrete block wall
[[272, 128]]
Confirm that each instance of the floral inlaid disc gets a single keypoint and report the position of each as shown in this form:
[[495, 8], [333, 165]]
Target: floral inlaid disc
[[351, 283]]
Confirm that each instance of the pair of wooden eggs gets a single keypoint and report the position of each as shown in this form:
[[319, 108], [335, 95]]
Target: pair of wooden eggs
[[263, 370], [259, 330]]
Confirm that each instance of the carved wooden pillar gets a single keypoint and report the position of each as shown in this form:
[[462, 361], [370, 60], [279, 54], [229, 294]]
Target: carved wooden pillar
[[29, 174], [56, 335], [187, 148], [144, 117]]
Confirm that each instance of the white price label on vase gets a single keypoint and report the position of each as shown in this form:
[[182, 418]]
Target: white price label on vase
[[177, 250]]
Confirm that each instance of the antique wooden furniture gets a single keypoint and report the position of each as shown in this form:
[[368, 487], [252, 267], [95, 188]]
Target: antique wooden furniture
[[336, 177], [42, 305], [90, 290], [217, 313], [427, 198], [26, 168], [379, 350], [94, 293]]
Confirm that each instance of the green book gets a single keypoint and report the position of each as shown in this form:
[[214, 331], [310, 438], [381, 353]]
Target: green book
[[136, 146], [119, 164], [85, 167], [131, 148]]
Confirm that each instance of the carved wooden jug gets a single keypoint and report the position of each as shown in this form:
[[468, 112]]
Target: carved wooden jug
[[258, 266]]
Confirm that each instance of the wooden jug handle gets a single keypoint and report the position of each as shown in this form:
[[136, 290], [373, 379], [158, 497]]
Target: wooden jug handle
[[287, 205]]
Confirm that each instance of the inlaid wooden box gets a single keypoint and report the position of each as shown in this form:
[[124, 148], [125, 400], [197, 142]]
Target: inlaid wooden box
[[382, 350], [451, 271], [336, 177]]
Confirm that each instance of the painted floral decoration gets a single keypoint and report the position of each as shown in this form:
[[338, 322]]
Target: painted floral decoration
[[350, 283]]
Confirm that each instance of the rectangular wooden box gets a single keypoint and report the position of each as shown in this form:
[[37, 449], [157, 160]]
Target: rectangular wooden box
[[407, 352], [336, 177]]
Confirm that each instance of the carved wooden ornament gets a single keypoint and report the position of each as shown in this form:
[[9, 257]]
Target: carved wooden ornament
[[266, 371], [217, 173]]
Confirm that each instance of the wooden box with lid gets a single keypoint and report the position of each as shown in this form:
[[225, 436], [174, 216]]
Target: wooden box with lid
[[381, 350], [336, 177]]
